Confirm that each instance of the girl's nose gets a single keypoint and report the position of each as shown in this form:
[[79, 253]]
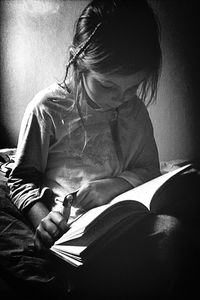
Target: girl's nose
[[117, 100]]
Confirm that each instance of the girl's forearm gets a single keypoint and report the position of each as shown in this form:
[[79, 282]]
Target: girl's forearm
[[121, 185], [36, 213]]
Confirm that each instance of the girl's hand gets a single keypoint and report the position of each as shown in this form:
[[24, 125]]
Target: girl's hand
[[50, 229], [99, 192]]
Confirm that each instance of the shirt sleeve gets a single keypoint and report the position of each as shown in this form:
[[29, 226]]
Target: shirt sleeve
[[145, 165], [26, 179]]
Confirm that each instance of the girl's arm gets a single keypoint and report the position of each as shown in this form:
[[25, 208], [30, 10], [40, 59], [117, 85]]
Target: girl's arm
[[144, 164], [27, 191], [26, 179], [143, 167], [36, 213], [99, 192]]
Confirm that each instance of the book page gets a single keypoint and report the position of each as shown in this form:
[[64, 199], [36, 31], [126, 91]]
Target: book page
[[77, 228], [67, 258], [142, 193], [145, 192], [76, 250]]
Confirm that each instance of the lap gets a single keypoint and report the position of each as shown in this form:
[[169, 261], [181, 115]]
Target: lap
[[22, 268], [150, 253], [147, 260]]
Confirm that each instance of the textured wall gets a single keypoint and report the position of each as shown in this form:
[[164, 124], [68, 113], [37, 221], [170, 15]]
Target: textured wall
[[34, 40], [35, 36]]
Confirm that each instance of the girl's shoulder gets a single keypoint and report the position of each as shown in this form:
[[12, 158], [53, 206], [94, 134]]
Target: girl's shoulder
[[136, 108], [52, 98]]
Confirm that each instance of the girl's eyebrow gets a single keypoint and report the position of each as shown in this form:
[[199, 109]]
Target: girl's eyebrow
[[103, 79], [107, 81]]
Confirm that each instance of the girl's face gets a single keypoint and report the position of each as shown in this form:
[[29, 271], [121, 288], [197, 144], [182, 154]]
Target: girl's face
[[110, 91]]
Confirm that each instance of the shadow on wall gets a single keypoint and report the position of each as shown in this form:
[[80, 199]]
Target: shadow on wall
[[34, 46], [176, 115]]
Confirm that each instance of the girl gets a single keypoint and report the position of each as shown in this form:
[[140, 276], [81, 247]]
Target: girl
[[92, 132]]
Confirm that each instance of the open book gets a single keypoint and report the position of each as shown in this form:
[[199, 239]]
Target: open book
[[97, 227]]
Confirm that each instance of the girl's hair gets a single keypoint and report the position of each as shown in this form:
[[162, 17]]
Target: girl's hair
[[117, 37]]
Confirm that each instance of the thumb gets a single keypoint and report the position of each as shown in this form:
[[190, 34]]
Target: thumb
[[64, 206]]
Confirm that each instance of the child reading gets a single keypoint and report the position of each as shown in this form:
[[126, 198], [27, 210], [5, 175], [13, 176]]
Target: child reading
[[91, 134]]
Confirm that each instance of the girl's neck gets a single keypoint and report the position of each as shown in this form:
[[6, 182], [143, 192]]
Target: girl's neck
[[86, 102]]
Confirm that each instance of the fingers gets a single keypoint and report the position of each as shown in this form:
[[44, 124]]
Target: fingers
[[82, 200], [81, 197], [88, 204], [86, 197], [58, 219], [43, 239], [85, 200], [49, 230]]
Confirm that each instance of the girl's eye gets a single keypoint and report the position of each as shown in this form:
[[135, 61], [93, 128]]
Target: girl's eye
[[132, 89], [106, 86]]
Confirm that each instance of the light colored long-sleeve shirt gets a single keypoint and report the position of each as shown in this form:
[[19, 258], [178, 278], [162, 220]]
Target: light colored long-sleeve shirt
[[58, 150]]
